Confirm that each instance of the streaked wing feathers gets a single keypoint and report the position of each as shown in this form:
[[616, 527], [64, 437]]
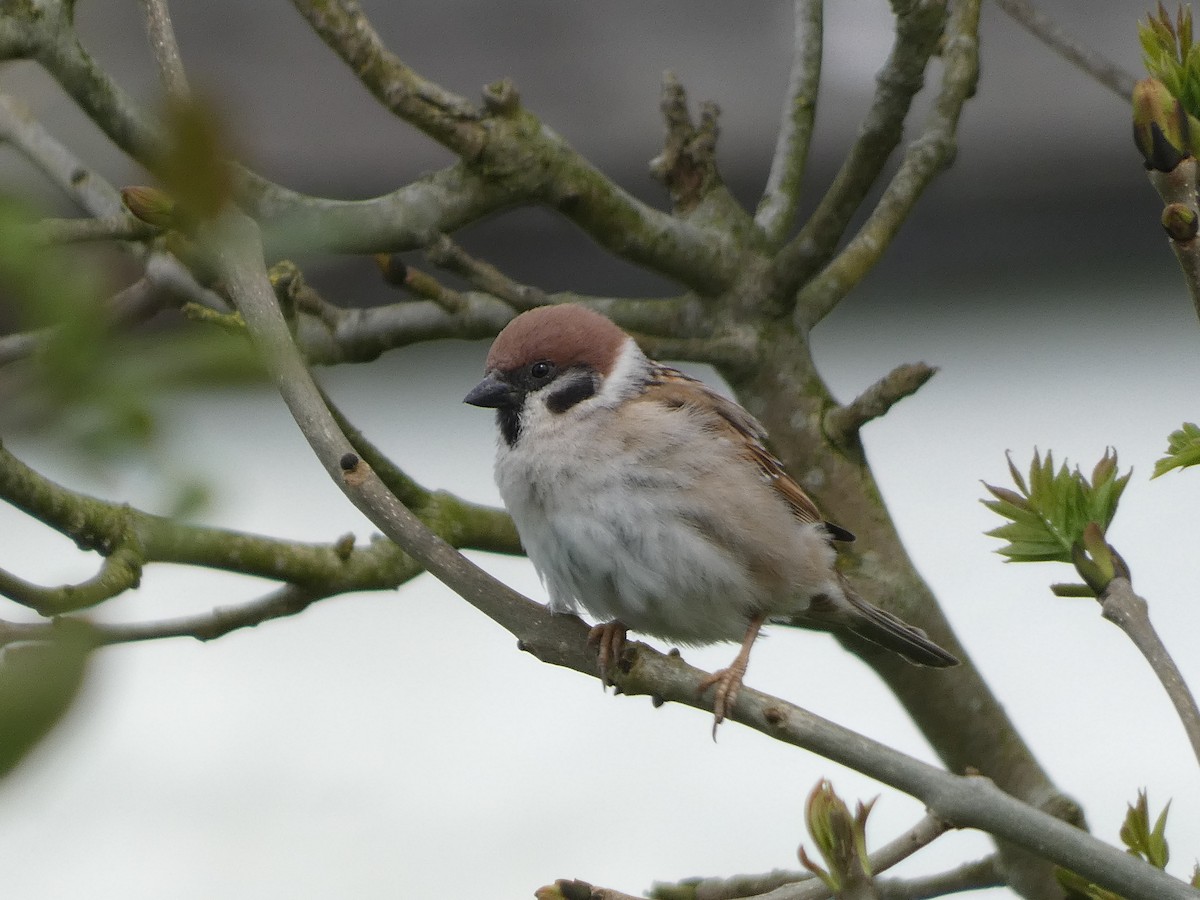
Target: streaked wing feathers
[[672, 388]]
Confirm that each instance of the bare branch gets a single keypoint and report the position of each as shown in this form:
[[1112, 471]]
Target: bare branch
[[923, 159], [286, 601], [777, 209], [361, 335], [19, 128], [917, 33], [800, 885], [336, 567], [120, 571], [842, 423], [165, 49], [1121, 606], [1091, 61], [687, 166], [529, 162], [1178, 187], [973, 876], [79, 231], [448, 255]]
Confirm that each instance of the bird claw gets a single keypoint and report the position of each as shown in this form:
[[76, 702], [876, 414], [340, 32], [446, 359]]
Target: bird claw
[[609, 640], [727, 684]]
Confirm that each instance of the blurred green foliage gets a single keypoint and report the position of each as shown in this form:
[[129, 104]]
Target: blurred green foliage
[[38, 683], [99, 390]]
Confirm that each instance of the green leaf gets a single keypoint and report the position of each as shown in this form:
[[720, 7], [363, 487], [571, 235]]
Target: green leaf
[[1183, 450], [1050, 511], [1142, 840]]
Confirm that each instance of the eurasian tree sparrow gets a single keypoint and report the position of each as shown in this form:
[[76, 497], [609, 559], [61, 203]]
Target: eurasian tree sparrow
[[651, 502]]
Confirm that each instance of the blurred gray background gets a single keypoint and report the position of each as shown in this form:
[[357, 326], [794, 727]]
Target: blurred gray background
[[396, 745]]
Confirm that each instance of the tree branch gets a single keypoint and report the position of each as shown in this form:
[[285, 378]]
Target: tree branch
[[165, 48], [973, 876], [777, 209], [288, 600], [842, 423], [923, 159], [1129, 612], [517, 152], [337, 567], [917, 33], [798, 885], [120, 571], [1046, 30], [1179, 187], [79, 231]]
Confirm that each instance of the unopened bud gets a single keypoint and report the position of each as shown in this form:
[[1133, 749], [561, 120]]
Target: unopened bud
[[1160, 125], [1180, 222], [152, 206]]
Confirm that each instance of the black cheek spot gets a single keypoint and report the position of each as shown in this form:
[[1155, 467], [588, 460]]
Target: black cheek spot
[[574, 391]]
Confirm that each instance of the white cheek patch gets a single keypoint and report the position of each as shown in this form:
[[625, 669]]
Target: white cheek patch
[[625, 379]]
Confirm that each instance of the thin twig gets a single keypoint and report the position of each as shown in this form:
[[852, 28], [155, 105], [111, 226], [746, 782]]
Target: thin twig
[[165, 49], [1131, 614], [777, 209], [78, 231], [962, 801], [663, 317], [120, 571], [287, 600], [448, 255], [801, 885], [1179, 186], [1046, 30], [78, 181], [972, 876], [842, 423]]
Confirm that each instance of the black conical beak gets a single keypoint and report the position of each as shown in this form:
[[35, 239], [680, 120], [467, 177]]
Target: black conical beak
[[491, 393]]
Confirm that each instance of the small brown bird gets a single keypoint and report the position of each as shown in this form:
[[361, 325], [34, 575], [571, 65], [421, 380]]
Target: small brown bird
[[651, 502]]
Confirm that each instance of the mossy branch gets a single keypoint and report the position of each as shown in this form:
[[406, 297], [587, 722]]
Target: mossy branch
[[513, 149], [776, 212], [924, 158], [918, 31]]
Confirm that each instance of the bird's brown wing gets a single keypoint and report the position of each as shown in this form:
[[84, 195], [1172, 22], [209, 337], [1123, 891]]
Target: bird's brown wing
[[672, 388]]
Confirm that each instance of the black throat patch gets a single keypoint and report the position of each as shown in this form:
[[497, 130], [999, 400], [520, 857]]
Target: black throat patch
[[509, 420]]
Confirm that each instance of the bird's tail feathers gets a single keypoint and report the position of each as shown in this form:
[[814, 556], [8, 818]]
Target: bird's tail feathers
[[892, 633]]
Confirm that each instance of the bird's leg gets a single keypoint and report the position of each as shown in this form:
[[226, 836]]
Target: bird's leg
[[609, 639], [728, 681]]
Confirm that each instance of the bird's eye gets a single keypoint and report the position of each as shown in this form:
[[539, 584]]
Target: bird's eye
[[541, 370]]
